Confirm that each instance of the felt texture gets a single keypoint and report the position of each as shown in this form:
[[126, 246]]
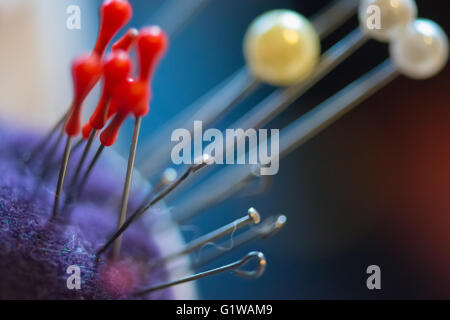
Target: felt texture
[[35, 253]]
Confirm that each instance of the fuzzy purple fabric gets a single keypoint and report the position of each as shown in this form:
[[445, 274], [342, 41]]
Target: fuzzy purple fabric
[[35, 253]]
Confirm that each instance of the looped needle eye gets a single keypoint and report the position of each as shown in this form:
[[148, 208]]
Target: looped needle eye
[[252, 274], [235, 267]]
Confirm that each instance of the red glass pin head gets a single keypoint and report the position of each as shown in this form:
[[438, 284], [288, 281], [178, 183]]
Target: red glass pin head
[[116, 69], [86, 70], [131, 94], [113, 106], [152, 43], [127, 41], [114, 14], [130, 97], [109, 135], [86, 130]]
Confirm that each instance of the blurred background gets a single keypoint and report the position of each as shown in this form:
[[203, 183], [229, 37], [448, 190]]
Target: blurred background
[[371, 189]]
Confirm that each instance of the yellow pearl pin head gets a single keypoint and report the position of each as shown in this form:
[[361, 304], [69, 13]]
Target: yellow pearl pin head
[[281, 47]]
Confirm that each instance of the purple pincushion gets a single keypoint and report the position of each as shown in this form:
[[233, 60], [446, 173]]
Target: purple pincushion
[[35, 253]]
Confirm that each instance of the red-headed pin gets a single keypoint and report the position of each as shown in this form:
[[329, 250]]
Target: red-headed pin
[[125, 43], [86, 71], [116, 69], [87, 128], [132, 97], [114, 14], [127, 97], [151, 45]]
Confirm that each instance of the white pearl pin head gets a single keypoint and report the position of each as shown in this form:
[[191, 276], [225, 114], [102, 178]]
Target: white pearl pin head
[[281, 47], [421, 51], [383, 20]]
